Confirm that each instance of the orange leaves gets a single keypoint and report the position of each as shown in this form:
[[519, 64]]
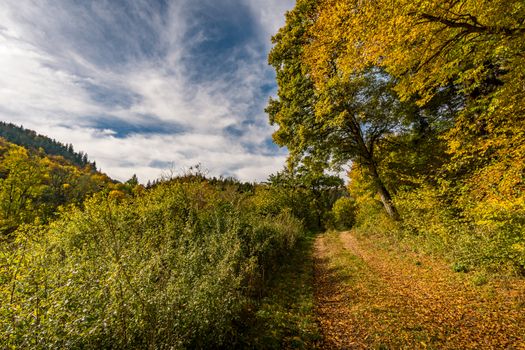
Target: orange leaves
[[368, 297]]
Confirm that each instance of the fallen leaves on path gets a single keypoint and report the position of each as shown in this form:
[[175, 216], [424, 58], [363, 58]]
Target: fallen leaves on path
[[371, 298]]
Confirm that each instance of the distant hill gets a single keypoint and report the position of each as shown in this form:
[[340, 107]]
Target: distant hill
[[30, 139], [34, 185]]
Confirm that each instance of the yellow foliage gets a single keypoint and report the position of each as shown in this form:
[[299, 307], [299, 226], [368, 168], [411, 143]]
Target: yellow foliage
[[425, 43], [116, 194], [474, 45]]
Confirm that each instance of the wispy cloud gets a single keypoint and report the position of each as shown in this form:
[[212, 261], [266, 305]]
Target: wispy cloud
[[142, 84]]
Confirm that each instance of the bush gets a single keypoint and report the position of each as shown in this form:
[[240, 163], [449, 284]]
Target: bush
[[480, 237], [273, 199], [343, 212], [173, 268]]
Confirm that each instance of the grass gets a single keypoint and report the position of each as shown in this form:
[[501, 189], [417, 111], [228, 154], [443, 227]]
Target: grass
[[284, 317]]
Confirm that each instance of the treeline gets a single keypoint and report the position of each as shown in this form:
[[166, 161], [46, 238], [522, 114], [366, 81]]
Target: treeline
[[319, 199], [197, 173], [425, 99], [30, 139], [34, 186]]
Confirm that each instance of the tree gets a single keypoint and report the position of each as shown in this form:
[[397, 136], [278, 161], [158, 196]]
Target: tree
[[343, 211], [19, 189], [31, 140], [341, 121], [293, 110], [133, 181], [427, 46], [307, 191]]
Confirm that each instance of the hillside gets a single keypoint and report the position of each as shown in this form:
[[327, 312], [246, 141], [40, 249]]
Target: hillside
[[34, 184], [32, 140]]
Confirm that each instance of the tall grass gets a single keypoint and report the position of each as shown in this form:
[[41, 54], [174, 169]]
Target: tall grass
[[173, 268]]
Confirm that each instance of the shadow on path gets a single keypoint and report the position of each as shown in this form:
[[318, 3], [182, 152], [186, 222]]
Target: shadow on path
[[370, 298]]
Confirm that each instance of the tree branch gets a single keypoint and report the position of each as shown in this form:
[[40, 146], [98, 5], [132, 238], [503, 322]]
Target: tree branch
[[474, 27]]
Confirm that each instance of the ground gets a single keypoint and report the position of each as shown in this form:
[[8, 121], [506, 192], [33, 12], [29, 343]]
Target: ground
[[370, 295]]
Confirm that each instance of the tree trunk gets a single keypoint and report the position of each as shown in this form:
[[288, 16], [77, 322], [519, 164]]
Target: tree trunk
[[385, 196], [387, 202], [366, 152]]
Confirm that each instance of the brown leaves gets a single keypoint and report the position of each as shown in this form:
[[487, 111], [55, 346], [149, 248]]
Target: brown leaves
[[371, 298]]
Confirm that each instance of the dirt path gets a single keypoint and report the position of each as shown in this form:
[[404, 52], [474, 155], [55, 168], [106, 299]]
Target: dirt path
[[370, 298]]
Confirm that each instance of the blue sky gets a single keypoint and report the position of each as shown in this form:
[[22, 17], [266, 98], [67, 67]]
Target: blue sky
[[143, 86]]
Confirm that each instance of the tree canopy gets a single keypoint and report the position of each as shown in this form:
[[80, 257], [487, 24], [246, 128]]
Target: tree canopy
[[428, 46], [361, 80]]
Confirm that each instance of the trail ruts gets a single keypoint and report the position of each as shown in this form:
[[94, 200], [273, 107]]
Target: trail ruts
[[368, 297]]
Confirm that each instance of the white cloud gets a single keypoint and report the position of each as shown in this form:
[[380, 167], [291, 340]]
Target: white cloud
[[46, 75], [271, 15]]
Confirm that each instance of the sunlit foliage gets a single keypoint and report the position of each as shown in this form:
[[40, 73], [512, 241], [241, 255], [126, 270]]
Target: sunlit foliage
[[173, 267], [35, 185], [476, 47], [440, 92]]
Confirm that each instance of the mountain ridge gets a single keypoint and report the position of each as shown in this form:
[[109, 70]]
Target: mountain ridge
[[32, 140]]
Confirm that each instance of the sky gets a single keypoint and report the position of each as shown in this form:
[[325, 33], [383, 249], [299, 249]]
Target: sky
[[146, 87]]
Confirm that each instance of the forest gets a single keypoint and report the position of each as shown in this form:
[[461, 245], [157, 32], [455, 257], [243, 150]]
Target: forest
[[420, 102], [21, 136], [425, 100]]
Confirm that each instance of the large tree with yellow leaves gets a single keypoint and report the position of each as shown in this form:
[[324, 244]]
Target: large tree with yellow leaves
[[327, 115], [477, 46], [343, 122]]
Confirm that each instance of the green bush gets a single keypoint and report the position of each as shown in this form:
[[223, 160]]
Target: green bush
[[343, 212], [173, 268], [273, 199], [487, 239]]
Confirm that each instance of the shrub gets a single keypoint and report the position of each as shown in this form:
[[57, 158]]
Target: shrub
[[173, 268], [473, 236], [343, 212]]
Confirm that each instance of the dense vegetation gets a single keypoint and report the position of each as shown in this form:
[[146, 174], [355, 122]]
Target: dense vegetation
[[34, 185], [173, 267], [31, 140], [425, 100], [184, 263]]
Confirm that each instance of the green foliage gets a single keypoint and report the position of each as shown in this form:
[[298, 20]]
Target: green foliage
[[459, 267], [356, 117], [307, 193], [284, 317], [424, 213], [172, 268], [344, 211], [479, 279], [369, 213], [31, 140]]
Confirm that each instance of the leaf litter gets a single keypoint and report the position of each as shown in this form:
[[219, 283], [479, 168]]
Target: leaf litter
[[368, 297]]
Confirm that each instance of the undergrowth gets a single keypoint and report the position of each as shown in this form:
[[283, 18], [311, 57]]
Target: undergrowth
[[490, 241], [176, 267], [284, 316]]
